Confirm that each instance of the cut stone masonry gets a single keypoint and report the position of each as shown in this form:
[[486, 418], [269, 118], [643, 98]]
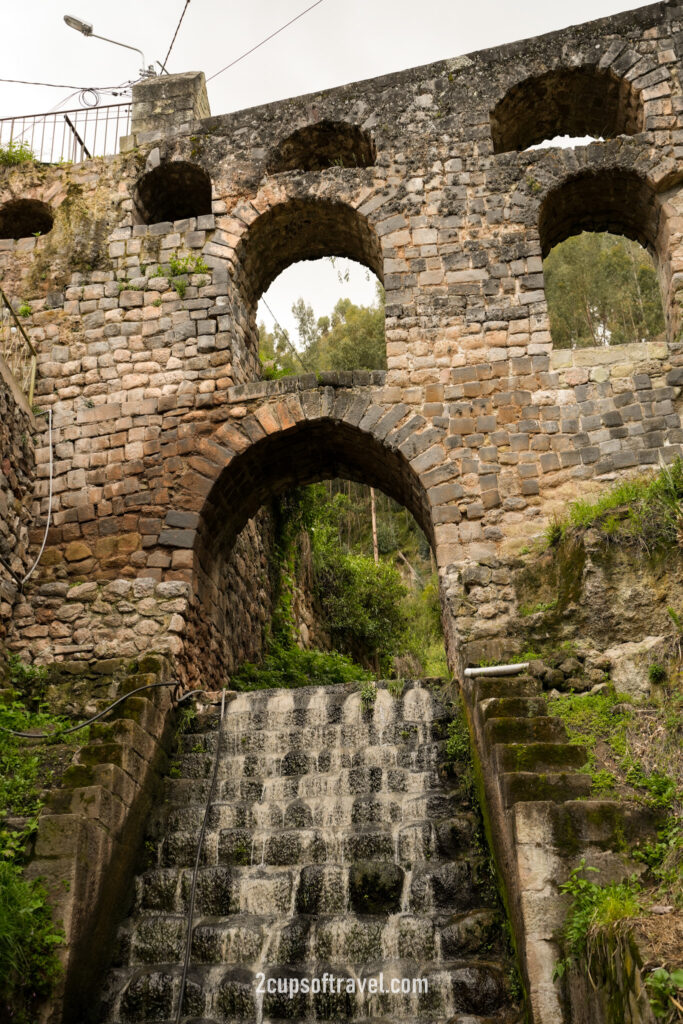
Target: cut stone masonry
[[143, 296]]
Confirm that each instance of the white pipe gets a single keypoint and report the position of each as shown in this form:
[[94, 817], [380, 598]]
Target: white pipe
[[497, 670]]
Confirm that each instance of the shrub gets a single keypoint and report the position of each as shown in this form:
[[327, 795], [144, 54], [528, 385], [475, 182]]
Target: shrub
[[290, 667]]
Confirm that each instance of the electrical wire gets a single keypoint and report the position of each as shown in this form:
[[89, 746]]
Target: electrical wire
[[53, 85], [285, 335], [266, 40], [163, 66]]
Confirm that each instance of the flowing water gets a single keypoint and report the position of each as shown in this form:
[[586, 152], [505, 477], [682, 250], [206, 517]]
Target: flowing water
[[337, 854]]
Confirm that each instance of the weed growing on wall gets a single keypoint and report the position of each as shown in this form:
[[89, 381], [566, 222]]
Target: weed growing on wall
[[16, 153], [644, 512]]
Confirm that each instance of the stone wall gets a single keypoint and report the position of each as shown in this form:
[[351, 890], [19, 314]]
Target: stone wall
[[90, 831], [17, 469], [166, 444]]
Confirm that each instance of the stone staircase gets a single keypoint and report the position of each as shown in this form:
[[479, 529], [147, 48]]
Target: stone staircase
[[335, 846]]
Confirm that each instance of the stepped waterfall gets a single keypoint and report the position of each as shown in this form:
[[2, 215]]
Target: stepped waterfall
[[343, 875]]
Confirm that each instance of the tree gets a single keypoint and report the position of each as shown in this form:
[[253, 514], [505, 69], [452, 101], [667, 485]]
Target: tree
[[352, 338], [602, 289]]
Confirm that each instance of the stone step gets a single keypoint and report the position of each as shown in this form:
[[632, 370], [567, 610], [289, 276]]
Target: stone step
[[380, 887], [320, 812], [350, 939], [555, 786], [405, 844], [195, 764], [539, 757], [402, 737], [512, 707], [525, 730], [506, 686], [223, 993]]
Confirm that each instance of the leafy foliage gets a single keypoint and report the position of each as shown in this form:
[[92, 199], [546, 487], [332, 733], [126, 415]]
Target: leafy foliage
[[352, 338], [665, 991], [602, 289], [291, 667], [16, 153], [28, 939]]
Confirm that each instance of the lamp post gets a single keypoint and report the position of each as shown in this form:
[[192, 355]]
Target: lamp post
[[87, 30]]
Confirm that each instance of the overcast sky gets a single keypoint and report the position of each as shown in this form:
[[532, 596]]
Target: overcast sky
[[339, 41]]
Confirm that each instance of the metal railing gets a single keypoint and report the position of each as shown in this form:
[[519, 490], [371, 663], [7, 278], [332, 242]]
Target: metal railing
[[17, 349], [68, 135]]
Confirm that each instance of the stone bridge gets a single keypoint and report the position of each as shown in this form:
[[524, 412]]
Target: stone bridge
[[165, 442], [165, 445]]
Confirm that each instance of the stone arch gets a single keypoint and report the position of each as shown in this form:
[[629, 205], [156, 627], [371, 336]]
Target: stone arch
[[300, 228], [617, 200], [291, 439], [624, 202], [21, 218], [325, 144], [566, 101], [173, 191]]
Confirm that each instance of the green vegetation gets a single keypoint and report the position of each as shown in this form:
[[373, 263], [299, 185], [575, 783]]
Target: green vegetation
[[634, 753], [593, 907], [644, 512], [368, 694], [602, 289], [352, 338], [28, 938], [24, 309], [292, 667], [191, 264], [16, 153], [665, 991]]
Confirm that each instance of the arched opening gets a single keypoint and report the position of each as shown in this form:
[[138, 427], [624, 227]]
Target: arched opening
[[300, 230], [326, 144], [235, 530], [599, 238], [575, 102], [23, 218], [173, 191]]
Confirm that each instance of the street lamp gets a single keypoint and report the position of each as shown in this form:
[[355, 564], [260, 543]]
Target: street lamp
[[86, 28]]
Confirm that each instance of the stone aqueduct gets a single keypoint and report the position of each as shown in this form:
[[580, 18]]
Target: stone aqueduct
[[165, 440], [166, 444]]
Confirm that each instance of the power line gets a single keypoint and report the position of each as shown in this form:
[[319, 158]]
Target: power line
[[53, 85], [163, 66], [285, 335], [263, 41]]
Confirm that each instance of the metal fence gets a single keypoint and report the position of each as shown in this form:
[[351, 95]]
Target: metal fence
[[16, 348], [68, 135]]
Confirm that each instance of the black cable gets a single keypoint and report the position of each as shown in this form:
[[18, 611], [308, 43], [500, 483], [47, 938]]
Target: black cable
[[285, 335], [163, 66], [75, 728], [263, 41], [53, 85], [193, 888]]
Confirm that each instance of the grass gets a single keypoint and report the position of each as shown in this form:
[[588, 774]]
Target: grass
[[644, 512], [635, 753], [593, 907]]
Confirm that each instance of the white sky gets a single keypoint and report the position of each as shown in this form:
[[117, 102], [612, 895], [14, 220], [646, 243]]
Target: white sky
[[339, 41]]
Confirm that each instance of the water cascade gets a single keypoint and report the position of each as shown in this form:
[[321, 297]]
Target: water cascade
[[337, 854]]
